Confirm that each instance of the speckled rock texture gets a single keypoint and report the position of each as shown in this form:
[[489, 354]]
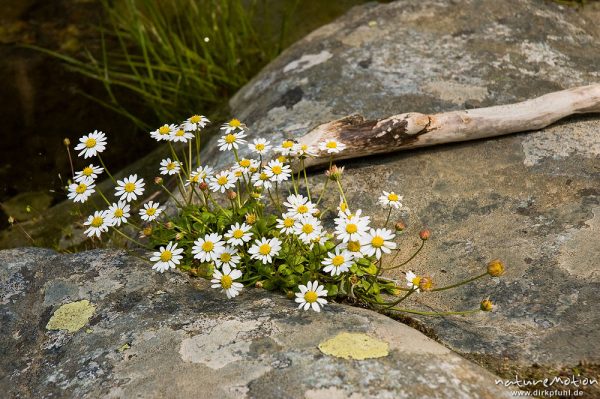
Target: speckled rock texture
[[529, 199], [167, 336]]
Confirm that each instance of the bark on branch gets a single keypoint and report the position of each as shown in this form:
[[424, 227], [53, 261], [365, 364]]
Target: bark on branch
[[412, 130]]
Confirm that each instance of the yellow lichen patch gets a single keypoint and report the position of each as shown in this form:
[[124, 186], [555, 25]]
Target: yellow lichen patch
[[71, 316], [356, 346]]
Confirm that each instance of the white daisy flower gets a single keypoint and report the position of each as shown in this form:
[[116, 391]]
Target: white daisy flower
[[299, 205], [231, 141], [91, 144], [180, 135], [228, 257], [377, 241], [222, 181], [278, 171], [355, 248], [413, 281], [310, 296], [129, 188], [390, 199], [287, 148], [151, 211], [208, 247], [331, 146], [232, 126], [201, 174], [89, 172], [168, 167], [307, 228], [351, 227], [303, 150], [167, 258], [265, 249], [118, 213], [338, 262], [224, 279], [98, 223], [260, 146], [262, 180], [80, 192], [164, 132], [246, 166], [238, 234], [286, 224], [195, 122]]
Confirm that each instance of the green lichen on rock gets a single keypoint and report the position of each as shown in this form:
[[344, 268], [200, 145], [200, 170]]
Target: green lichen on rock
[[71, 316], [356, 346]]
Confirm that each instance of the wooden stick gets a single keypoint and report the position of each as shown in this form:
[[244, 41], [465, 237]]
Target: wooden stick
[[412, 130]]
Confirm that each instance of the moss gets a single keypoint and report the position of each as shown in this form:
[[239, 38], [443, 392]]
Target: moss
[[354, 346], [72, 316]]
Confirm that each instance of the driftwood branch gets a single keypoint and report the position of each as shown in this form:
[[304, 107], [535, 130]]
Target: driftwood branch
[[412, 130]]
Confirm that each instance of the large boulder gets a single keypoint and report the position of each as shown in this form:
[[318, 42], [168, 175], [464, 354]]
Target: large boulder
[[530, 199], [103, 324]]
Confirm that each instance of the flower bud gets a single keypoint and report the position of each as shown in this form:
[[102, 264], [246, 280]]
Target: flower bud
[[203, 186], [255, 195], [158, 180], [486, 305], [147, 231], [334, 173], [251, 218], [290, 294], [316, 213], [169, 225], [11, 220], [353, 279], [400, 226], [426, 283], [66, 141], [495, 268], [179, 236], [258, 284], [424, 234], [231, 195]]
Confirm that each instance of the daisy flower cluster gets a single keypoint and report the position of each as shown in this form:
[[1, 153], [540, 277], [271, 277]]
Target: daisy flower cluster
[[259, 222]]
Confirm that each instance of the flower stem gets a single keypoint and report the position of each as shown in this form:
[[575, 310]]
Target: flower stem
[[409, 259], [464, 312], [461, 283], [106, 169]]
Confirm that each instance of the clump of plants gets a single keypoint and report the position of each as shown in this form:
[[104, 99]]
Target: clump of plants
[[259, 222]]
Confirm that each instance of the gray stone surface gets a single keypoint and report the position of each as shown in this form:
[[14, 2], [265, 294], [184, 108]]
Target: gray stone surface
[[530, 199], [168, 336]]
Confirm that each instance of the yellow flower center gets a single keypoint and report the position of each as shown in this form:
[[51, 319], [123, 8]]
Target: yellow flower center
[[416, 281], [87, 171], [171, 166], [129, 187], [276, 170], [225, 257], [351, 228], [97, 221], [208, 246], [337, 260], [230, 138], [263, 176], [81, 188], [392, 197], [179, 132], [90, 143], [235, 123], [226, 282], [343, 206], [304, 147], [166, 256], [150, 211], [307, 228], [259, 146], [164, 129], [377, 242], [302, 209], [238, 234], [288, 222], [310, 296], [195, 119], [195, 179], [287, 144], [244, 163], [222, 180], [281, 158], [331, 144], [264, 249], [118, 212], [353, 246]]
